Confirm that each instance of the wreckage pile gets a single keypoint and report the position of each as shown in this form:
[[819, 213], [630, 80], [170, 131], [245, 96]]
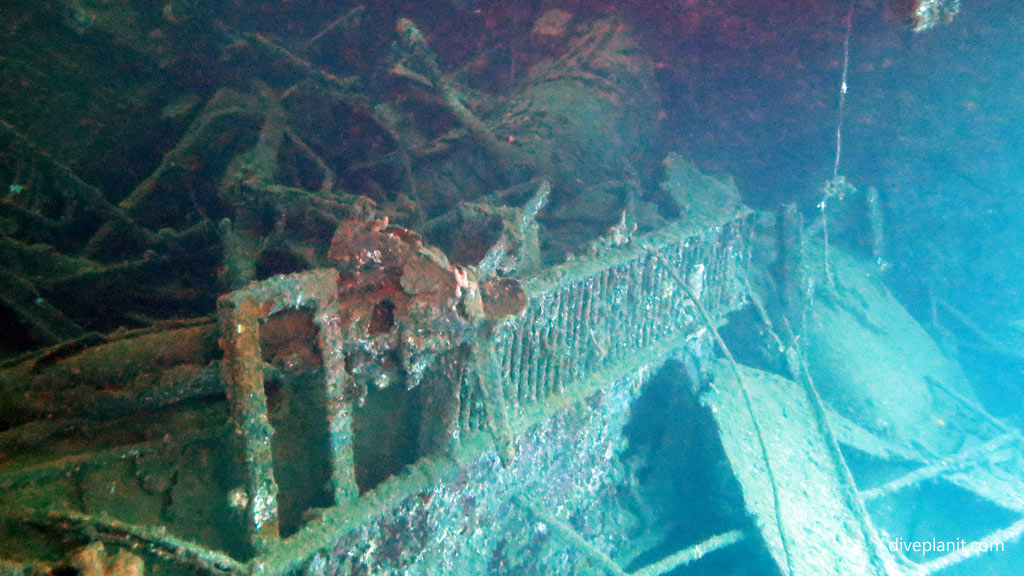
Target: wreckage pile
[[372, 319]]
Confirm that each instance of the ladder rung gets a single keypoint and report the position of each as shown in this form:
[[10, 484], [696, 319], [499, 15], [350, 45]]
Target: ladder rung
[[691, 554]]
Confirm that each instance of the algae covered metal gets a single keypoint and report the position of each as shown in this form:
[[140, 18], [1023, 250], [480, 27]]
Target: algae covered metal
[[364, 305], [521, 409]]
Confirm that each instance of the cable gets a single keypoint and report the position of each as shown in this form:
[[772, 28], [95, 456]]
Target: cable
[[843, 88], [745, 392]]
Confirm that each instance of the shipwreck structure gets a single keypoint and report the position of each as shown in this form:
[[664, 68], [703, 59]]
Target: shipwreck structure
[[399, 414], [475, 334]]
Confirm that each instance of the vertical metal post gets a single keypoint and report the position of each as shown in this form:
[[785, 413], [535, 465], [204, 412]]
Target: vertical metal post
[[242, 371], [339, 410]]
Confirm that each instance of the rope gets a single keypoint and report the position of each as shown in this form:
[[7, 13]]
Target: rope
[[843, 89]]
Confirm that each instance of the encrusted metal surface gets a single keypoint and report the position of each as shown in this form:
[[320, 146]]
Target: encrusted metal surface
[[585, 319], [544, 398]]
